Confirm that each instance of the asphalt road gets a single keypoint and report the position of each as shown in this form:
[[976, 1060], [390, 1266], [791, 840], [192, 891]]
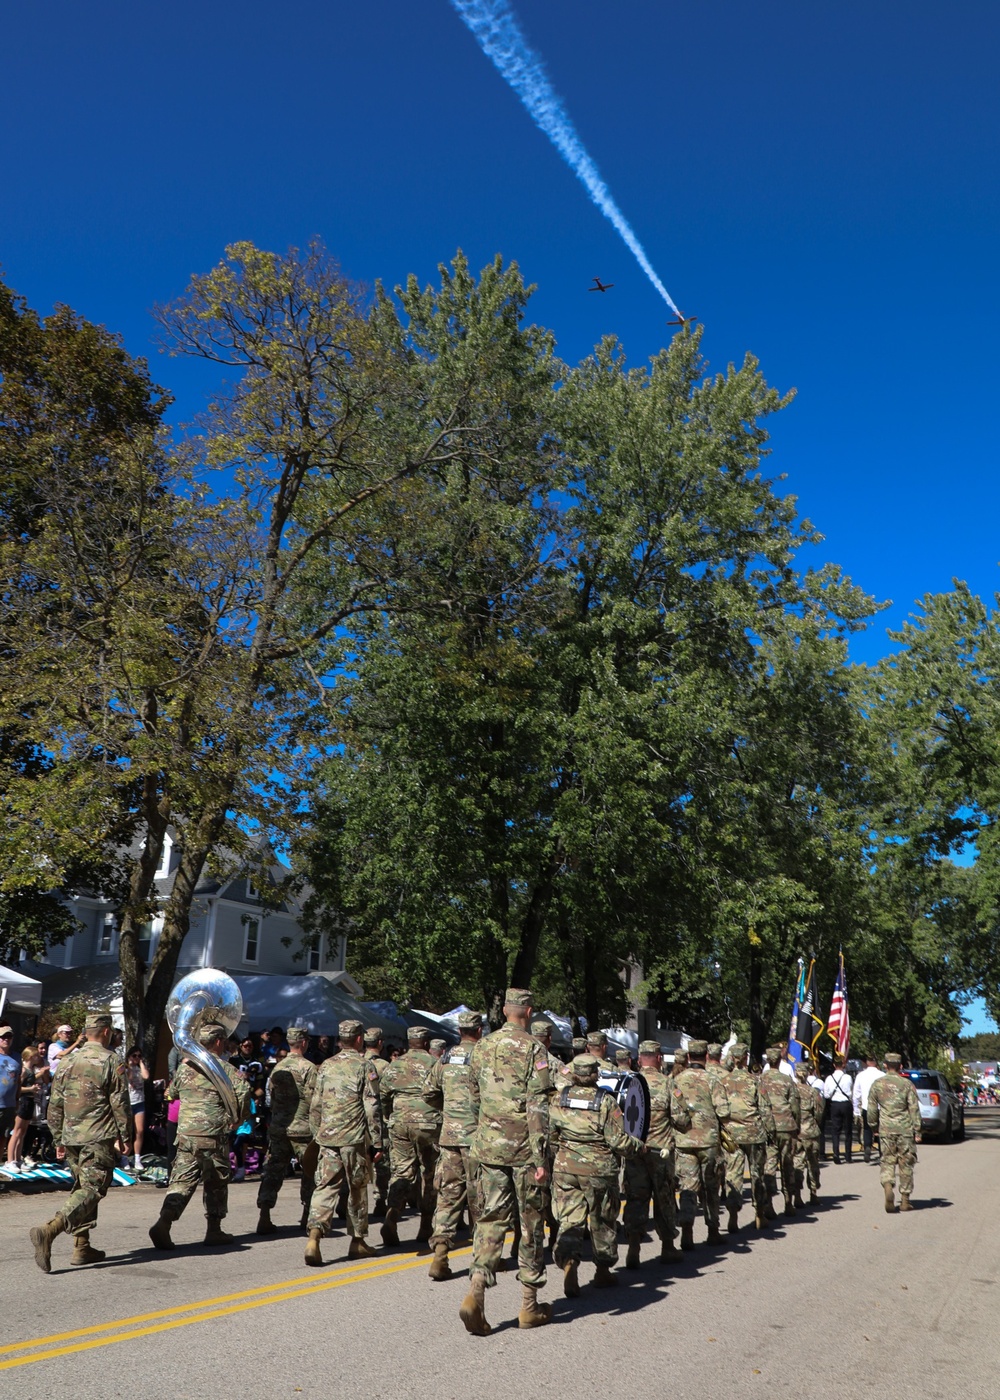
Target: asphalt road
[[841, 1301]]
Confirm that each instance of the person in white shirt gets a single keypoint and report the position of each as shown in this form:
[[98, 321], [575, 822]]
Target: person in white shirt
[[838, 1090], [862, 1088]]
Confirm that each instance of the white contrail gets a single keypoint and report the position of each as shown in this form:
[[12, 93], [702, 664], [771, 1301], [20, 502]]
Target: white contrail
[[499, 35]]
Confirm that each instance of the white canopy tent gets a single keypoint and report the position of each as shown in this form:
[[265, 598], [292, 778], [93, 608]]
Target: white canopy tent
[[312, 1002], [19, 993]]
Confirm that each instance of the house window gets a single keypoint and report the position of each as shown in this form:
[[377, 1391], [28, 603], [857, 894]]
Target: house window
[[107, 939], [314, 960], [164, 867], [252, 941], [145, 942]]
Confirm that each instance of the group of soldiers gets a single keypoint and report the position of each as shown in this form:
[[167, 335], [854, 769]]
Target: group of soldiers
[[495, 1127]]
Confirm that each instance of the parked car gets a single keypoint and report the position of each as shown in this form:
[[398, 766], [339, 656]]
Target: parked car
[[942, 1114]]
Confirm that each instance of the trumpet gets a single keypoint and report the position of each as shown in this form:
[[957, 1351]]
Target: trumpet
[[203, 996]]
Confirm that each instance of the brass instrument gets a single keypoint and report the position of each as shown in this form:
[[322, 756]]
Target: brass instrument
[[202, 996]]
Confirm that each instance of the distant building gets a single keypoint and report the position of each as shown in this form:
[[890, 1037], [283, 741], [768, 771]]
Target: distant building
[[232, 927]]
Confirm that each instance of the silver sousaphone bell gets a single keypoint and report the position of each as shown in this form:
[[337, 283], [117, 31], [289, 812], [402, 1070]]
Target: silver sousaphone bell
[[202, 996], [631, 1093]]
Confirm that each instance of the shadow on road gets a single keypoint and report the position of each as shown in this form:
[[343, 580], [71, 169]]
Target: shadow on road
[[932, 1204]]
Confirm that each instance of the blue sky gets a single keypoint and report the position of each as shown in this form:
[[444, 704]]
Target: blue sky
[[816, 182]]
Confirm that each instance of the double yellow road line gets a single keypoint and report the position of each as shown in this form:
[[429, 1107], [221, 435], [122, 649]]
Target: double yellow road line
[[124, 1329]]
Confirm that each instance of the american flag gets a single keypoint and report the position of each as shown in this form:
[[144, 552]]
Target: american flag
[[839, 1023]]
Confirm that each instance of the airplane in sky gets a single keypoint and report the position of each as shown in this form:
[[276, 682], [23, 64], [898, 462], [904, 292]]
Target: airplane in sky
[[600, 286], [681, 320]]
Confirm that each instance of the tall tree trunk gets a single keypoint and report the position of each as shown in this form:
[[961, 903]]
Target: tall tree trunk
[[531, 928], [758, 1027]]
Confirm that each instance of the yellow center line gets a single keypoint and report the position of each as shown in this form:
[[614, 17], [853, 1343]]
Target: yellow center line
[[276, 1293]]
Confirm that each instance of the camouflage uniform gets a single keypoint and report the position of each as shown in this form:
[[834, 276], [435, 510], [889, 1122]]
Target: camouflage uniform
[[346, 1121], [716, 1071], [697, 1107], [202, 1140], [651, 1176], [807, 1144], [751, 1124], [455, 1175], [414, 1127], [373, 1038], [588, 1137], [596, 1042], [293, 1080], [779, 1090], [510, 1089], [88, 1111], [894, 1113]]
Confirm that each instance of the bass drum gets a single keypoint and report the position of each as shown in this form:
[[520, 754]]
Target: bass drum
[[631, 1093]]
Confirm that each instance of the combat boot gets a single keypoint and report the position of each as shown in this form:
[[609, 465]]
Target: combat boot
[[214, 1233], [605, 1277], [533, 1313], [669, 1254], [473, 1309], [84, 1252], [426, 1225], [378, 1209], [440, 1269], [769, 1211], [789, 1206], [265, 1225], [799, 1202], [390, 1227], [687, 1236], [890, 1205], [714, 1235], [632, 1257], [571, 1278], [160, 1233], [313, 1255], [904, 1200], [814, 1198], [760, 1220], [734, 1221], [41, 1238], [868, 1154], [360, 1249]]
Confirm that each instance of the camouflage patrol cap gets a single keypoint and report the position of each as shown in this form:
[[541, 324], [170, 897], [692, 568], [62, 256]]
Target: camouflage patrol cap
[[739, 1051], [438, 1044], [697, 1049], [210, 1031], [471, 1021], [649, 1047], [373, 1036], [773, 1054], [893, 1061], [350, 1030], [295, 1035], [623, 1057], [680, 1056], [802, 1070], [596, 1038], [714, 1051], [518, 996], [540, 1027], [585, 1068], [579, 1044], [418, 1035], [98, 1020]]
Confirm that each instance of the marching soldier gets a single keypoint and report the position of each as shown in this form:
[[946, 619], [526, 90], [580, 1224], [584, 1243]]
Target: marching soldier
[[806, 1160], [346, 1121], [455, 1178], [578, 1046], [715, 1070], [780, 1092], [437, 1048], [510, 1090], [698, 1105], [202, 1141], [293, 1080], [680, 1061], [88, 1117], [542, 1031], [623, 1060], [597, 1045], [373, 1053], [651, 1176], [588, 1137], [894, 1113], [751, 1124], [414, 1126]]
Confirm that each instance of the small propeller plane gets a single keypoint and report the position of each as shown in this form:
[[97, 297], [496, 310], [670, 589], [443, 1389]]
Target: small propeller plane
[[681, 320], [600, 286]]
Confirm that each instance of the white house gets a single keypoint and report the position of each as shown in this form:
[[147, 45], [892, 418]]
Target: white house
[[232, 927]]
